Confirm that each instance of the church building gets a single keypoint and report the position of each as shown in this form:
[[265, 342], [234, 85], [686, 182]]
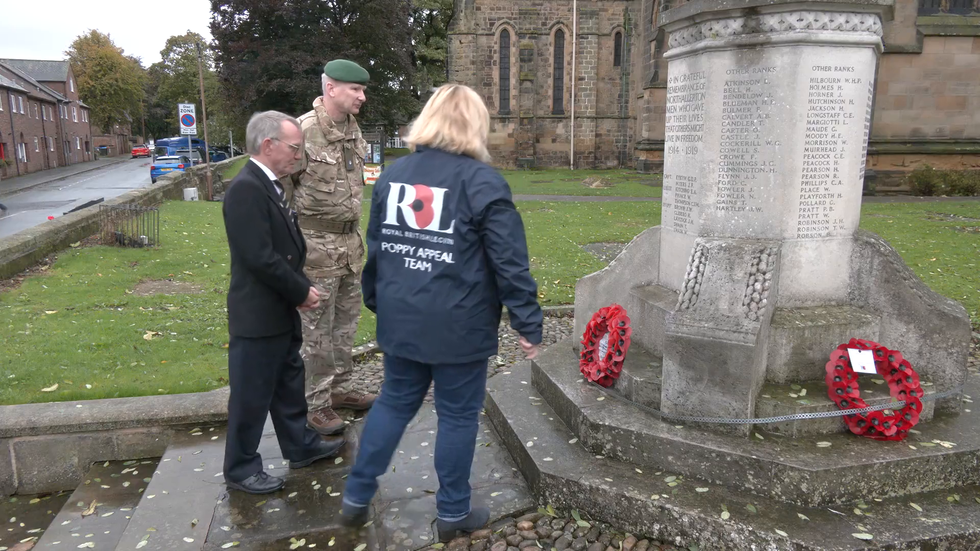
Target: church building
[[583, 83]]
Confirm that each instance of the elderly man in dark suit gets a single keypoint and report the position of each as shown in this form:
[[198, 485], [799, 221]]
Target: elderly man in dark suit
[[265, 369]]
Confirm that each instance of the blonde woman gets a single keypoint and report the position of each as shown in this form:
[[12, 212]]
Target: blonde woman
[[446, 250]]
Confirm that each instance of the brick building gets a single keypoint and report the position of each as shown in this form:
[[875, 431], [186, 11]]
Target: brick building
[[43, 124], [518, 55]]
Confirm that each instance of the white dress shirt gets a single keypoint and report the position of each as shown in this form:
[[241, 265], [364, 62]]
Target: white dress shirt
[[270, 174]]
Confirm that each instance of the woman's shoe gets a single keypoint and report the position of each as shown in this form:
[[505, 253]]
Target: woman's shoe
[[353, 516], [477, 519]]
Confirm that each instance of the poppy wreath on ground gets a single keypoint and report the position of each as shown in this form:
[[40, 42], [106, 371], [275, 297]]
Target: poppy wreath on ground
[[903, 385], [604, 345]]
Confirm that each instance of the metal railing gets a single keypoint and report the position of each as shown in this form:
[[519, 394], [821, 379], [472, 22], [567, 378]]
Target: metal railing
[[129, 225]]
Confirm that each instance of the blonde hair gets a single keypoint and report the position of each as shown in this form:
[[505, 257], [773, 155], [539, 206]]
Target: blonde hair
[[456, 120]]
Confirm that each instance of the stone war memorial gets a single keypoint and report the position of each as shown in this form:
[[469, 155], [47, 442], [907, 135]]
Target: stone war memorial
[[757, 273]]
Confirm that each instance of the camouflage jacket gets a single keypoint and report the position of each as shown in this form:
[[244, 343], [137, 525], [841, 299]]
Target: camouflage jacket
[[327, 194]]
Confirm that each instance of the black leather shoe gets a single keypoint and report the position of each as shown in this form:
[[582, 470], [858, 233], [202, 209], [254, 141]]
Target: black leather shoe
[[259, 483], [322, 450]]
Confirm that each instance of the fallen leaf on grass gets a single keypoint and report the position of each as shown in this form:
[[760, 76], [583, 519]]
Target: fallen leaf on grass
[[150, 334], [916, 507], [802, 516], [51, 388], [783, 534], [863, 536]]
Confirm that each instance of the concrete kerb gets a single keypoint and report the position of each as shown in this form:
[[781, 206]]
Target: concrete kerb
[[59, 178], [26, 248], [48, 447]]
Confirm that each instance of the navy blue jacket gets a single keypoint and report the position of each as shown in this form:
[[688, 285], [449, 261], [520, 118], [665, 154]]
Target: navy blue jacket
[[446, 249]]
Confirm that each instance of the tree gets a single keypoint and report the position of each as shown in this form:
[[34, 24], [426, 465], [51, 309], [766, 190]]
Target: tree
[[111, 83], [430, 22], [270, 55], [174, 79]]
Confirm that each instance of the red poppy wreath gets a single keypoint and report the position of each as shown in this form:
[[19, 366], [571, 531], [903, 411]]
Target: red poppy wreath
[[604, 345], [903, 385]]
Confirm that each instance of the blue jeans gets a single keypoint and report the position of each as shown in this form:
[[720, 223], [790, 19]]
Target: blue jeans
[[459, 393]]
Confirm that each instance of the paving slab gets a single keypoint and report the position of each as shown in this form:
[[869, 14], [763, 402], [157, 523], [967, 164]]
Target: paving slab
[[406, 503], [99, 510], [26, 518]]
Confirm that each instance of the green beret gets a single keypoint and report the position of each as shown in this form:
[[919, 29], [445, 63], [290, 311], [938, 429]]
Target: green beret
[[343, 70]]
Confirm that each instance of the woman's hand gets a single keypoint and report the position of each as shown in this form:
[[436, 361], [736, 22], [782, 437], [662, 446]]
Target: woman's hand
[[530, 350]]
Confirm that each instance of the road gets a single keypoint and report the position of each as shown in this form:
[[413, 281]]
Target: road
[[33, 206]]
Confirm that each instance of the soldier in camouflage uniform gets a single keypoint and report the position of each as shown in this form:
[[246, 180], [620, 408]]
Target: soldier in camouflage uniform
[[327, 198]]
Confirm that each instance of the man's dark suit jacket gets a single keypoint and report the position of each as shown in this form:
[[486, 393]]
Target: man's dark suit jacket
[[268, 253]]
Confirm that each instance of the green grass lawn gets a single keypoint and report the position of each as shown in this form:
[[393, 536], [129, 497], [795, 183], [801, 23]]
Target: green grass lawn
[[232, 170], [79, 325], [626, 183]]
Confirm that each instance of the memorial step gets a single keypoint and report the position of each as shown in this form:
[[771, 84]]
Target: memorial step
[[796, 470], [801, 339], [641, 380], [811, 397], [99, 510], [669, 504], [648, 310]]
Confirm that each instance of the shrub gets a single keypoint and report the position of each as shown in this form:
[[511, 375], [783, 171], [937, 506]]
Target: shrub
[[926, 180]]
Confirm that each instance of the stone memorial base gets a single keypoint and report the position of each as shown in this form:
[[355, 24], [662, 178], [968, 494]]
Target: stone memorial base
[[580, 449]]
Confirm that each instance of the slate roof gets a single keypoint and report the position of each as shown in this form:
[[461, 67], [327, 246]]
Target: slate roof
[[7, 83], [41, 70], [34, 82]]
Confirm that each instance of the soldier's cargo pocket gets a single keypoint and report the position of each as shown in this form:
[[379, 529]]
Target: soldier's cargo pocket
[[324, 253]]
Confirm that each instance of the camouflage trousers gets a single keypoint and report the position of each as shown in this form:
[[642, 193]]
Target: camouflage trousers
[[328, 337]]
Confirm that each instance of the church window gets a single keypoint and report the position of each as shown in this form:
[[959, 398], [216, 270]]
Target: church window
[[504, 67], [558, 86], [618, 50]]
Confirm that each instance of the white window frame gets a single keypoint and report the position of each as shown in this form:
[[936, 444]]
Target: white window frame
[[20, 104], [22, 152], [36, 114], [78, 143], [50, 143], [74, 114], [13, 104], [37, 145], [71, 84]]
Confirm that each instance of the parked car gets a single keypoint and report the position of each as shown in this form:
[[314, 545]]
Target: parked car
[[165, 165], [195, 156], [217, 156], [141, 150]]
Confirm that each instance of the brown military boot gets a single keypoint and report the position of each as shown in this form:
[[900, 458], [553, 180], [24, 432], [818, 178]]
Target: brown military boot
[[357, 401], [326, 422]]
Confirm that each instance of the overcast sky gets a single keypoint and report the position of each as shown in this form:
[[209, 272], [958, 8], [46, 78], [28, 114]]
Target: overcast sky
[[44, 29]]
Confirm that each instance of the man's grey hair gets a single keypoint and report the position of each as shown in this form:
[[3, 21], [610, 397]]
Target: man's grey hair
[[263, 126]]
